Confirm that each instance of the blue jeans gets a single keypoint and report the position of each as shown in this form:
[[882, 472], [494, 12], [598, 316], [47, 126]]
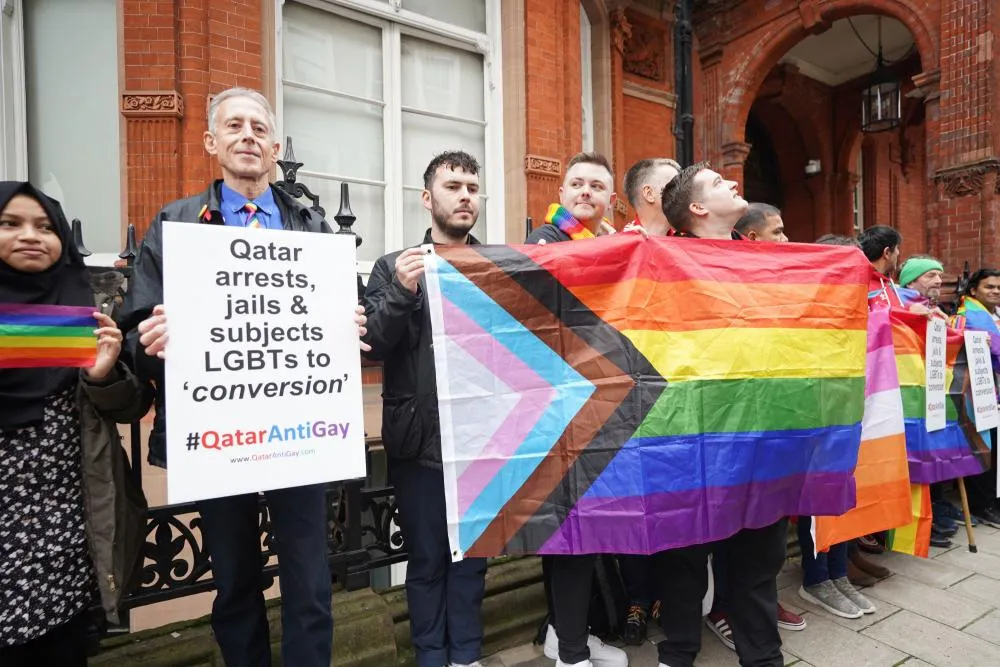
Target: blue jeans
[[444, 598], [823, 566], [232, 537]]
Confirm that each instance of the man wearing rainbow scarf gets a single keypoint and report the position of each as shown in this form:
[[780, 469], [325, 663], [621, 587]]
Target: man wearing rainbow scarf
[[586, 194]]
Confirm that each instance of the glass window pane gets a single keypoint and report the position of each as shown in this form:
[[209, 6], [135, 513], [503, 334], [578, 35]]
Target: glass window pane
[[368, 204], [469, 14], [334, 135], [332, 52], [425, 137], [417, 220], [441, 79], [71, 68]]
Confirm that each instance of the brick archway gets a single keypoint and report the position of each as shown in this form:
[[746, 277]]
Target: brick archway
[[747, 72]]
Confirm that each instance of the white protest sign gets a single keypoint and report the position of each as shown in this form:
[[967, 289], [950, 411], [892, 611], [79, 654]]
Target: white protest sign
[[984, 397], [263, 372], [935, 412]]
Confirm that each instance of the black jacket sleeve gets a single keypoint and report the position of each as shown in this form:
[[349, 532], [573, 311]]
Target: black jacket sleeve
[[388, 307], [145, 291]]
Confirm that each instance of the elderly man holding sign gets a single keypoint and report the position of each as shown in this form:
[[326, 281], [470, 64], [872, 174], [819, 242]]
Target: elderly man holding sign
[[260, 398]]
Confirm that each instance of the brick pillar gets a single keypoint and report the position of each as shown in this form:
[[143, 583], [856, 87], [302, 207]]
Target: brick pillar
[[620, 32], [176, 53], [966, 160], [545, 110], [152, 108], [711, 116]]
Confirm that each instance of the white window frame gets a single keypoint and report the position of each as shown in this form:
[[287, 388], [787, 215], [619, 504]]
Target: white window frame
[[394, 21], [13, 98], [13, 102], [588, 126]]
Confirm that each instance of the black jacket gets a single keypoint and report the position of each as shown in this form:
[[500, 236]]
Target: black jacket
[[399, 331], [145, 289]]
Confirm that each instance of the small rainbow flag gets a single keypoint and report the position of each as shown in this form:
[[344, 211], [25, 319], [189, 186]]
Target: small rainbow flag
[[38, 336]]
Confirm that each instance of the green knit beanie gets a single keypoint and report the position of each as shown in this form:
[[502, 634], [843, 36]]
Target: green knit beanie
[[915, 267]]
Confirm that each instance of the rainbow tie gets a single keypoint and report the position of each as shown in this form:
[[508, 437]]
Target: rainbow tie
[[251, 220]]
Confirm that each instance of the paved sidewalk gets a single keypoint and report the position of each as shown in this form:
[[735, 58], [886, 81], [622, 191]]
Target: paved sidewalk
[[943, 611]]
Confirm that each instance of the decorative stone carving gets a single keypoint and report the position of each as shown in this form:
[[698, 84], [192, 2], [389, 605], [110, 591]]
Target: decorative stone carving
[[928, 84], [621, 29], [735, 153], [159, 104], [645, 54], [967, 180], [542, 166]]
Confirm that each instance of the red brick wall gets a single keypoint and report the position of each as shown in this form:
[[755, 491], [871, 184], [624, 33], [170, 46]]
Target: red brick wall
[[552, 91], [189, 49]]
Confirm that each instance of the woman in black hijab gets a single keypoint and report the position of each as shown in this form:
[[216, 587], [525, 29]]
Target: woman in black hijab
[[70, 526]]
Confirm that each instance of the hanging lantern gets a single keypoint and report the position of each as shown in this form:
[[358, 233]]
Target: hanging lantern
[[881, 103], [882, 100]]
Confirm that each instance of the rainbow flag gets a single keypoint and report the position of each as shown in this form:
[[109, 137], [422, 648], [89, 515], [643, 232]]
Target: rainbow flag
[[882, 475], [35, 336], [915, 537], [972, 314], [621, 395], [958, 450]]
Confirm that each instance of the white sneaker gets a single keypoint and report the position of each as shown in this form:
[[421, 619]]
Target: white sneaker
[[551, 647], [462, 664], [604, 655], [601, 654]]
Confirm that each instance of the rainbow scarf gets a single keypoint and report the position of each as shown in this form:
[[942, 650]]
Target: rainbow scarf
[[36, 336], [567, 224], [610, 395]]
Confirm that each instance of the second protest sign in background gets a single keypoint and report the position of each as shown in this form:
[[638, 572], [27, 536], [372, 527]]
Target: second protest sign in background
[[263, 373]]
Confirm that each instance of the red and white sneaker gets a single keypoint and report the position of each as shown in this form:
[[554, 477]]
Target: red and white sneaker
[[789, 621]]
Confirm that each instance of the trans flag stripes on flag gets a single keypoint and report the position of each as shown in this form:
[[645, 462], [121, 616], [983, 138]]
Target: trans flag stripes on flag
[[621, 395]]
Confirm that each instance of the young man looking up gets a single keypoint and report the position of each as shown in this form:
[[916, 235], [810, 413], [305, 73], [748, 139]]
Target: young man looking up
[[699, 203]]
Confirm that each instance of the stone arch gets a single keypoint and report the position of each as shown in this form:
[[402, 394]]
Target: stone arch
[[788, 33]]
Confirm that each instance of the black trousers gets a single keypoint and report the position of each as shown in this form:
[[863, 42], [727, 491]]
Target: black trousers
[[64, 645], [753, 561], [568, 581], [444, 598], [982, 488], [232, 538]]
